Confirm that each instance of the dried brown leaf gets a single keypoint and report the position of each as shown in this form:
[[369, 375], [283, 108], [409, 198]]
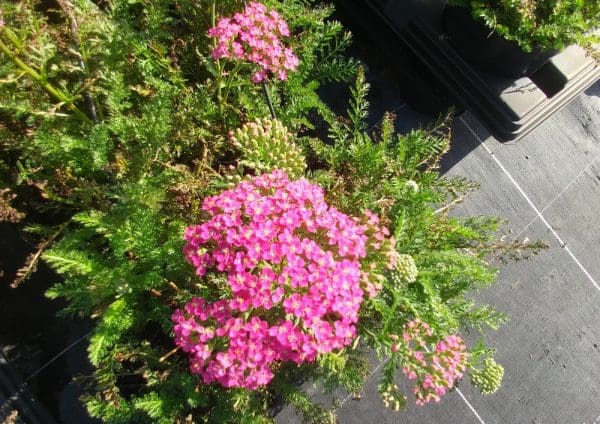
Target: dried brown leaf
[[7, 212]]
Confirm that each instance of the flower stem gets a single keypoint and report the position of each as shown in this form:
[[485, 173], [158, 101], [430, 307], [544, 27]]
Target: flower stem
[[268, 96], [67, 9], [49, 88], [213, 23], [213, 13], [234, 71], [170, 353]]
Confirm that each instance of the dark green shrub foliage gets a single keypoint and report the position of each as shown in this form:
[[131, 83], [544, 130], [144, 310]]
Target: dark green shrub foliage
[[545, 24]]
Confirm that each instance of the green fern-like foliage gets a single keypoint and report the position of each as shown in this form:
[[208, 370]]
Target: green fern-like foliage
[[149, 93], [397, 176], [320, 46], [378, 171], [121, 265]]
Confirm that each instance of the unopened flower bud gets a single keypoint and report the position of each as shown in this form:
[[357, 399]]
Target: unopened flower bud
[[266, 145], [405, 270], [412, 185], [489, 378]]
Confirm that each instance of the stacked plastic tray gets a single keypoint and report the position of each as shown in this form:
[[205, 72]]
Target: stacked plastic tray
[[510, 108]]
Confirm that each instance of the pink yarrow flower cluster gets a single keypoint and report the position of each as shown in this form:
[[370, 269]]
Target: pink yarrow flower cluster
[[254, 35], [296, 269], [436, 369]]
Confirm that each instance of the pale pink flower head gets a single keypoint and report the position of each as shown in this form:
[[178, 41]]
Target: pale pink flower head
[[255, 35], [436, 365]]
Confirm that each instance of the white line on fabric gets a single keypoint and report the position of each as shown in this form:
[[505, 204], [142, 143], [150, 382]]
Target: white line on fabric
[[457, 390], [58, 355], [558, 195], [466, 401], [399, 108], [526, 197], [14, 397], [470, 406]]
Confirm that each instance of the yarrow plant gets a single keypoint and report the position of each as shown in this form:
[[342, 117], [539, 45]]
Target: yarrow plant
[[255, 35], [286, 284], [435, 369], [297, 270]]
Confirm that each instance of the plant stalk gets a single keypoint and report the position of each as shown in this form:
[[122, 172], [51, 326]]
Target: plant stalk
[[24, 272], [234, 71], [49, 88], [213, 23], [268, 96], [67, 8]]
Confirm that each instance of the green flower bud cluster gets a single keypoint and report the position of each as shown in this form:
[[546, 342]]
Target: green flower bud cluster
[[489, 378], [405, 270], [392, 398], [266, 145]]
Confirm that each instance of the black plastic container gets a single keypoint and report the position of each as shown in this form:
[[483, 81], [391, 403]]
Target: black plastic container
[[509, 107], [487, 51]]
